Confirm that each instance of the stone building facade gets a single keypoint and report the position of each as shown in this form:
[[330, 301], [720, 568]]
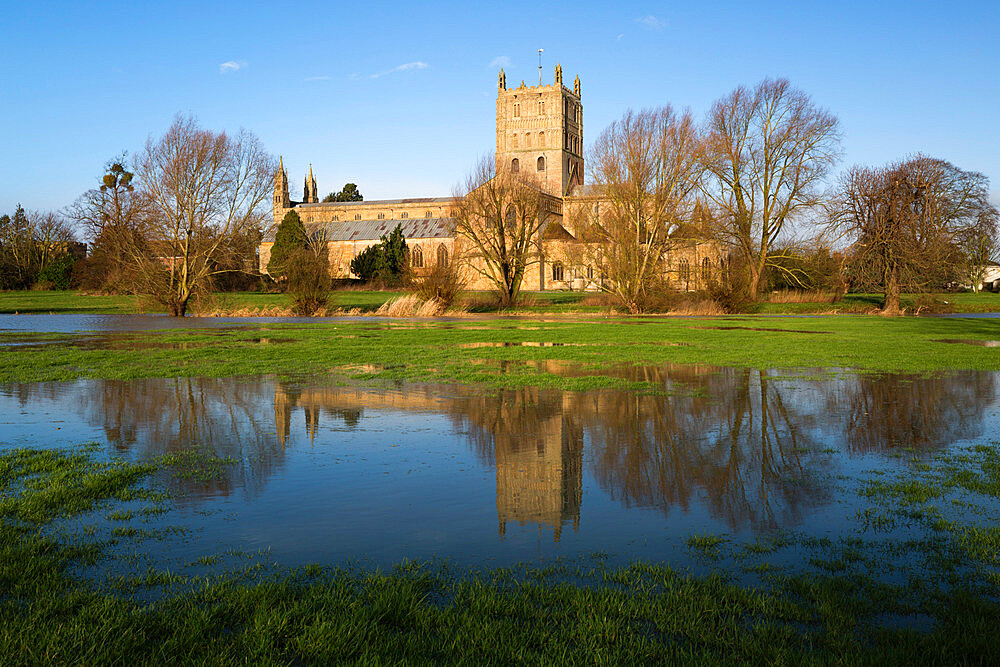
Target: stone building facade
[[539, 130]]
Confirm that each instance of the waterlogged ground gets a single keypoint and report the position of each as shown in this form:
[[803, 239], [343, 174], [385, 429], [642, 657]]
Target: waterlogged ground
[[701, 490], [319, 470]]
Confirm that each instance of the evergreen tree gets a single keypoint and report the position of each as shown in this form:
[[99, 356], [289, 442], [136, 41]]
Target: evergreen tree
[[291, 237], [383, 261], [349, 193]]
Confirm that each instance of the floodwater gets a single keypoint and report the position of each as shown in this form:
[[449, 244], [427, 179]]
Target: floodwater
[[332, 472]]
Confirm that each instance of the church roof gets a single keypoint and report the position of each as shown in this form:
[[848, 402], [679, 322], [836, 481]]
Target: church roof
[[379, 202], [369, 230]]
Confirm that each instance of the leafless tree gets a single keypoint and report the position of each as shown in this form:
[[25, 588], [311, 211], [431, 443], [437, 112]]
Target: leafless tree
[[113, 217], [29, 241], [906, 221], [205, 190], [980, 244], [645, 166], [767, 152], [500, 218]]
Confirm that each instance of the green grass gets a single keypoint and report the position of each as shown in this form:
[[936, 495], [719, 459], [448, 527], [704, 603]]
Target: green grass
[[586, 354], [370, 300], [430, 613]]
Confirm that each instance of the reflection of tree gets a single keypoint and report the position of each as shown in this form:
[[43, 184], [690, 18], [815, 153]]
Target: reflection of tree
[[218, 416], [740, 451], [893, 411]]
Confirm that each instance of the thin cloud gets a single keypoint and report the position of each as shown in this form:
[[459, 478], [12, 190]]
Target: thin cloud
[[620, 36], [499, 61], [317, 78], [650, 22], [231, 66], [405, 67]]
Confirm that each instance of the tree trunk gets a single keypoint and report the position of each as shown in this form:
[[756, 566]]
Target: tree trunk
[[890, 304], [178, 308]]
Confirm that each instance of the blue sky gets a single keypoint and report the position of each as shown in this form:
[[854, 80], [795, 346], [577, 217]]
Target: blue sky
[[400, 98]]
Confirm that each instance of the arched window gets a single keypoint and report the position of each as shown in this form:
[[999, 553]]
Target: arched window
[[684, 272], [514, 141], [517, 110], [336, 218], [590, 273], [706, 269], [541, 140], [557, 271], [541, 164], [442, 254], [357, 216], [416, 257], [404, 215], [510, 218], [427, 214], [381, 216], [527, 140], [541, 108], [515, 166]]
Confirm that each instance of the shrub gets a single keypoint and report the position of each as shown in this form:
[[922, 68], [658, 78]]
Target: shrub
[[308, 275], [384, 262], [442, 283], [58, 272]]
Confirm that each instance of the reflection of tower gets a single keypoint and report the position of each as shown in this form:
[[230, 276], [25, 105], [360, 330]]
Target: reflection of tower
[[542, 483], [283, 404], [312, 421]]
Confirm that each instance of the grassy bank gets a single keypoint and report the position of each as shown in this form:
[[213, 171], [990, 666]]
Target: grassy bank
[[567, 354], [838, 611], [367, 301]]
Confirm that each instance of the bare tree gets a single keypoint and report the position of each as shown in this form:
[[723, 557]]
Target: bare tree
[[500, 216], [113, 217], [645, 166], [29, 242], [767, 153], [906, 221], [205, 189], [980, 244]]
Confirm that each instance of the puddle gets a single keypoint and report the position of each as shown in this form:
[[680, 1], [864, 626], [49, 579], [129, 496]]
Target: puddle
[[802, 331], [332, 472], [969, 341]]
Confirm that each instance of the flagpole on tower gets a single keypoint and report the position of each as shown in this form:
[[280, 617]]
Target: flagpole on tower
[[540, 66]]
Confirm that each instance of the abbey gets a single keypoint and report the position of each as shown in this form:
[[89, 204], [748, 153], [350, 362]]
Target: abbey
[[539, 129]]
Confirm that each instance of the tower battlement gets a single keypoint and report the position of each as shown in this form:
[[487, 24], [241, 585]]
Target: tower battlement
[[540, 129]]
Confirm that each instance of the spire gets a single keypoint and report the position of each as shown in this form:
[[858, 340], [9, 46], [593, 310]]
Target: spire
[[503, 80], [576, 85], [558, 74], [281, 165], [310, 194]]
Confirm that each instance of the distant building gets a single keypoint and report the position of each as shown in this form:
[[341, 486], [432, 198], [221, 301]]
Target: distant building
[[538, 128]]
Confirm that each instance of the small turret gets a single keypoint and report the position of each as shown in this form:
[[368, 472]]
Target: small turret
[[576, 85], [281, 199], [503, 80], [310, 194], [558, 74]]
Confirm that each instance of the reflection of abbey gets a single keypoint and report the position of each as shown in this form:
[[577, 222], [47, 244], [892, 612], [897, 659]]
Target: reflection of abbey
[[539, 129], [539, 479]]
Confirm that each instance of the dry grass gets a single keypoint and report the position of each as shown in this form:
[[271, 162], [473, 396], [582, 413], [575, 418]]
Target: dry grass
[[410, 306], [705, 307], [280, 311], [804, 296]]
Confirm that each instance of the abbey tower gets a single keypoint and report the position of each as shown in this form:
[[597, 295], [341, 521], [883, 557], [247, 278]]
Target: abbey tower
[[540, 129]]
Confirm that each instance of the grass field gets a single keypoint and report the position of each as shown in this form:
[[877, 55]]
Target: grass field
[[839, 610], [370, 300]]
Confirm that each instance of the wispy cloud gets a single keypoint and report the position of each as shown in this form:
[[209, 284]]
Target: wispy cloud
[[499, 61], [650, 22], [231, 66], [620, 36], [317, 78], [405, 67]]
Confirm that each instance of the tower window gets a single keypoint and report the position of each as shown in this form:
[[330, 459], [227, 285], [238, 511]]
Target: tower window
[[357, 216], [442, 255], [404, 215], [517, 111], [427, 214], [515, 165], [527, 140], [336, 218], [381, 216], [541, 140], [416, 257], [541, 164], [514, 141], [541, 108], [557, 271]]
